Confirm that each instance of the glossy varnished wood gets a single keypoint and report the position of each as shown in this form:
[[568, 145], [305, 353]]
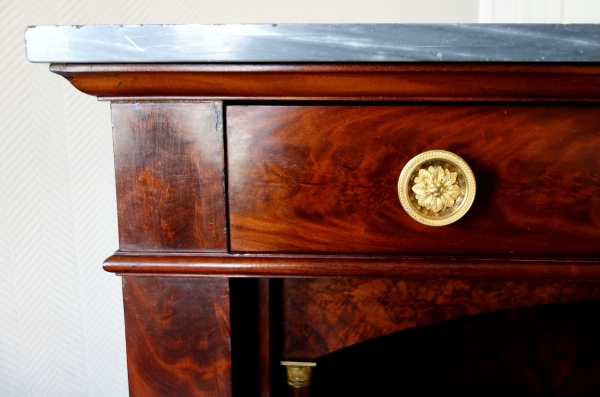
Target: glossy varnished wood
[[169, 164], [312, 198], [324, 178], [178, 336], [542, 350], [253, 265], [414, 81], [324, 315]]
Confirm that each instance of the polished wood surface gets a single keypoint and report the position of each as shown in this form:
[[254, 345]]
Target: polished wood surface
[[256, 265], [311, 197], [178, 336], [541, 350], [324, 315], [169, 163], [404, 81], [324, 178]]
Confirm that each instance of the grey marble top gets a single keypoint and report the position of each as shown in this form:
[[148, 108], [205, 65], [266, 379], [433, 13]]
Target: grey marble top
[[313, 43]]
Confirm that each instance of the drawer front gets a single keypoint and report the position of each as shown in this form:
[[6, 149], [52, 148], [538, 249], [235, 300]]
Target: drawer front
[[324, 178]]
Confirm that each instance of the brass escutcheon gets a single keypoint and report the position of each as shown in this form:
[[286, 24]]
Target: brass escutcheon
[[436, 188]]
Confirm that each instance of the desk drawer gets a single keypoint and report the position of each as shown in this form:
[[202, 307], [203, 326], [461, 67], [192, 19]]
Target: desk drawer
[[324, 178]]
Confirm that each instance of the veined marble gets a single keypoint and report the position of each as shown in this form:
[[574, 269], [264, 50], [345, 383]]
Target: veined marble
[[314, 43]]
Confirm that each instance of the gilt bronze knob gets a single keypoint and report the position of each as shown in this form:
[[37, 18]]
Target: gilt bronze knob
[[436, 188]]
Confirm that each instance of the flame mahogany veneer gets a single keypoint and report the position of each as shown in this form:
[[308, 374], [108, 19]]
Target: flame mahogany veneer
[[178, 334], [239, 170], [323, 315], [324, 178]]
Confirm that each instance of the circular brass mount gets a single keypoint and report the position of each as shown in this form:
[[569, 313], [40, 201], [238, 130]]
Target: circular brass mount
[[436, 188], [299, 373]]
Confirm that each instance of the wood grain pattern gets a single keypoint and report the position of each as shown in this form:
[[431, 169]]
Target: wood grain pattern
[[253, 265], [414, 81], [324, 315], [324, 178], [548, 350], [178, 336], [169, 162]]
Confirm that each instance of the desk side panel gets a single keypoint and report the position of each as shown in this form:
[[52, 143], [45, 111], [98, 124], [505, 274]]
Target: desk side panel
[[178, 336], [169, 163]]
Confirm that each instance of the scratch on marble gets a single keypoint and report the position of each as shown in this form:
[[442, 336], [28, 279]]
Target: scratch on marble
[[135, 45]]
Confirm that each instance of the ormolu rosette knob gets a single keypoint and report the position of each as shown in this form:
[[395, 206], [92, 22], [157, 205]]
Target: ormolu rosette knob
[[436, 188]]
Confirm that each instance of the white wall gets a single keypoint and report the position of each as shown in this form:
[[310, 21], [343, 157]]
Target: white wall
[[61, 316], [539, 11]]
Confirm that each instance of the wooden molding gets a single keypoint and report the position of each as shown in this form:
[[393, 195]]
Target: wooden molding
[[265, 265], [401, 82]]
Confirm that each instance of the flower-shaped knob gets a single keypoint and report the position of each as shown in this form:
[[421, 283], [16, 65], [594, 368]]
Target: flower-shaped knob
[[436, 188]]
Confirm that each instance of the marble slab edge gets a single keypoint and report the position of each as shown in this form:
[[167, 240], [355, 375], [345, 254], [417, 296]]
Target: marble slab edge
[[313, 43]]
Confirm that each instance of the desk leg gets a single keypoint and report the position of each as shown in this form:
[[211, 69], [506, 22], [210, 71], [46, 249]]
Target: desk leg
[[178, 336]]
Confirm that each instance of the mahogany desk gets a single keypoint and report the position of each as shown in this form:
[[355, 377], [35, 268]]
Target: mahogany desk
[[257, 176]]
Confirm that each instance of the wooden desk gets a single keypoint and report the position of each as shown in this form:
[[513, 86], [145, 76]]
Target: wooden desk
[[259, 217]]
